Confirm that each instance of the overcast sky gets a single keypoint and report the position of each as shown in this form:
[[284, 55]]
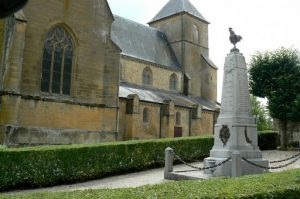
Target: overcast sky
[[263, 24]]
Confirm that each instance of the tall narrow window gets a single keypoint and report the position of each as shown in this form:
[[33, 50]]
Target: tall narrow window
[[146, 115], [195, 34], [178, 119], [57, 62], [173, 82], [147, 76]]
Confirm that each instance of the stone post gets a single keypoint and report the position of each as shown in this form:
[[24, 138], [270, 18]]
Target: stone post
[[169, 158], [236, 167]]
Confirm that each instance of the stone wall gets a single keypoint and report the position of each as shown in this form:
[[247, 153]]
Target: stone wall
[[162, 120], [132, 70], [179, 31], [203, 125], [93, 103]]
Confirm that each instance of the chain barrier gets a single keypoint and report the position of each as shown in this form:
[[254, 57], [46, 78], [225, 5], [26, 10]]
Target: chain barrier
[[198, 168], [278, 161], [297, 157], [273, 167]]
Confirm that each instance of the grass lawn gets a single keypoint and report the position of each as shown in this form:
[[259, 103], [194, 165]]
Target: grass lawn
[[271, 185]]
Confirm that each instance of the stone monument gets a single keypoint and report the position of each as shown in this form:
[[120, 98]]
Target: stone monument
[[236, 130]]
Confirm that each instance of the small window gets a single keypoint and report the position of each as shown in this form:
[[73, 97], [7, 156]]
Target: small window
[[178, 119], [57, 62], [147, 76], [173, 82], [146, 115], [195, 34]]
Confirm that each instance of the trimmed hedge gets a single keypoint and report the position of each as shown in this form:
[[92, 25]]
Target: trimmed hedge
[[52, 165], [271, 185], [46, 166], [268, 140]]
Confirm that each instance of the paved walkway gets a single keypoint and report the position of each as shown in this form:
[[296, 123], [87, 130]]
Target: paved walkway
[[153, 176]]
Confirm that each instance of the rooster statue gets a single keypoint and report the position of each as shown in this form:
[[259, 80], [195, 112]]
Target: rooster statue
[[234, 38]]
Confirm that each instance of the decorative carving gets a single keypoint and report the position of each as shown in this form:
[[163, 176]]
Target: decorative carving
[[246, 136], [224, 134]]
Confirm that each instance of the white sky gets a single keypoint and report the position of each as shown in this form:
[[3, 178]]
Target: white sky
[[263, 24]]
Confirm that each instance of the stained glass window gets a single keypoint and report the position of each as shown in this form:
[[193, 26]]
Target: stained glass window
[[57, 62]]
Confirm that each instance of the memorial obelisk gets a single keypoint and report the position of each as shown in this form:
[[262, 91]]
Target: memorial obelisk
[[235, 130]]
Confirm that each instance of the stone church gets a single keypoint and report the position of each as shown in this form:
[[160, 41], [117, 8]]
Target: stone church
[[72, 72]]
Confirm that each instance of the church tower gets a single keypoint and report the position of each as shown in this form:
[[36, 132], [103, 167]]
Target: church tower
[[187, 32]]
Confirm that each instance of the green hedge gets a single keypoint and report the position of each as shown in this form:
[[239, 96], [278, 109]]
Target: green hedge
[[46, 166], [52, 165], [271, 185], [268, 140]]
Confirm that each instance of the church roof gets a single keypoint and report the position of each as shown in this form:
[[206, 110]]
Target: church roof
[[154, 95], [209, 62], [142, 42], [174, 7]]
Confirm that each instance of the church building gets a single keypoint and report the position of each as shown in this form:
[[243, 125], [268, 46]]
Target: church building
[[72, 72]]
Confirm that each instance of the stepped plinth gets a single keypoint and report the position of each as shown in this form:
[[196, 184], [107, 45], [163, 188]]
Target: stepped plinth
[[235, 130]]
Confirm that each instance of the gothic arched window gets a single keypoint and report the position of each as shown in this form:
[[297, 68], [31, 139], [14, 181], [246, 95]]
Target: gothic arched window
[[146, 115], [195, 34], [147, 76], [57, 62], [173, 82]]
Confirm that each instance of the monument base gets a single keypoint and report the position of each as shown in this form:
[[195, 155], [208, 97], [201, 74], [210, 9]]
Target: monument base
[[227, 170]]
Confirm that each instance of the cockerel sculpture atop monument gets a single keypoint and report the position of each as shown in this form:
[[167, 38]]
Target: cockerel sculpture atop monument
[[234, 39]]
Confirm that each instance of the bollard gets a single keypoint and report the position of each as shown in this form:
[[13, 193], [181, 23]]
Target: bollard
[[236, 164], [169, 158]]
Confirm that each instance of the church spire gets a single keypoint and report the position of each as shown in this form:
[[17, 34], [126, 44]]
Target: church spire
[[174, 7]]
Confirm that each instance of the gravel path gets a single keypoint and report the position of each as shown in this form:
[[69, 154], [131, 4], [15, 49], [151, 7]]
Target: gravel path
[[153, 176]]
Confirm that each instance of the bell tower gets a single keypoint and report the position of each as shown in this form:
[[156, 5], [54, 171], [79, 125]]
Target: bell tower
[[187, 32]]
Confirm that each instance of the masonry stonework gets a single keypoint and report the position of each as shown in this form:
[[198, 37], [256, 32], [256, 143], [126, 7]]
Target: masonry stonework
[[107, 95]]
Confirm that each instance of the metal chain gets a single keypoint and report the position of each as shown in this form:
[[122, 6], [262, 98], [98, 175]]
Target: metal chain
[[277, 167], [199, 168], [277, 161]]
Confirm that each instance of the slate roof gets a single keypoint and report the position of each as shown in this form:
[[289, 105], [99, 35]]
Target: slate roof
[[143, 42], [174, 7], [209, 62], [159, 96]]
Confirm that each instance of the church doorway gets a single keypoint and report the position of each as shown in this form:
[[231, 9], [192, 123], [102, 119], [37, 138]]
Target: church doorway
[[177, 132]]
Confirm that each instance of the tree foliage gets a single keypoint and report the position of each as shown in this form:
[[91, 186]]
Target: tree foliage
[[275, 75], [261, 114]]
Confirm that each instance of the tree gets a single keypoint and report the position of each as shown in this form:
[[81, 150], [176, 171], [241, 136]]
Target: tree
[[263, 120], [275, 75]]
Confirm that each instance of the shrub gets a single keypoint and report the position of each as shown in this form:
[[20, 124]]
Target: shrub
[[45, 166], [52, 165], [268, 140]]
